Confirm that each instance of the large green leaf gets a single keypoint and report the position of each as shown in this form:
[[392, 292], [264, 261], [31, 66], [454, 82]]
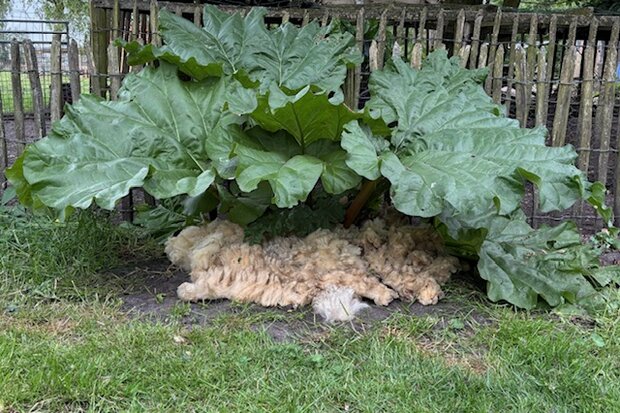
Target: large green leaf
[[288, 56], [307, 116], [243, 208], [291, 170], [154, 136], [218, 48], [452, 147], [521, 264]]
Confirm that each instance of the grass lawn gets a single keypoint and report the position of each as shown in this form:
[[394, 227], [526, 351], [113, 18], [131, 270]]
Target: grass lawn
[[6, 90], [67, 345]]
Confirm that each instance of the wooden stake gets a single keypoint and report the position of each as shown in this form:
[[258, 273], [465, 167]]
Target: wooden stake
[[113, 70], [458, 32], [562, 110], [35, 85], [475, 40], [604, 113], [541, 87], [521, 84], [584, 130], [74, 70], [381, 40], [16, 87], [498, 71], [56, 80]]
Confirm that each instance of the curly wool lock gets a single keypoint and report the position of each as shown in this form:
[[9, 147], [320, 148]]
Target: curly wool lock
[[375, 261]]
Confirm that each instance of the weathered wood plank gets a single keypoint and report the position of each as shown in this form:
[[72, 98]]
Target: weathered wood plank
[[584, 130], [115, 19], [532, 50], [482, 55], [464, 55], [381, 40], [521, 84], [475, 40], [359, 41], [616, 186], [35, 85], [562, 110], [416, 56], [541, 87], [438, 43], [550, 62], [422, 30], [154, 23], [373, 56], [135, 20], [198, 16], [604, 112], [98, 47], [511, 62], [114, 71], [498, 71], [74, 70], [492, 47], [459, 32], [401, 39], [4, 158], [16, 88], [56, 80]]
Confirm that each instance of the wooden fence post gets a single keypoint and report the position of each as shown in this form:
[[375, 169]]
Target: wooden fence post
[[74, 71], [458, 33], [521, 84], [482, 57], [584, 130], [604, 112], [550, 62], [198, 16], [16, 88], [616, 186], [492, 47], [381, 40], [98, 48], [56, 80], [511, 62], [562, 110], [4, 159], [154, 20], [35, 85], [498, 69], [475, 40], [359, 41], [541, 87], [113, 71], [438, 43]]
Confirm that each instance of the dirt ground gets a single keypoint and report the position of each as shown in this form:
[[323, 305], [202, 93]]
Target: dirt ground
[[149, 293]]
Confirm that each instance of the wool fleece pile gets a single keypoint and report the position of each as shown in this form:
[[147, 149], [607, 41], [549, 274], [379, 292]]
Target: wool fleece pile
[[329, 269]]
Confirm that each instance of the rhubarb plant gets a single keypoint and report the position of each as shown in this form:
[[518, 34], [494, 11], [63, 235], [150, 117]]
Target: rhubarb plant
[[251, 121]]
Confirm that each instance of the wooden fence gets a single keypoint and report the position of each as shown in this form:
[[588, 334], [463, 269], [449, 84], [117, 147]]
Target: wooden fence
[[30, 115], [554, 70]]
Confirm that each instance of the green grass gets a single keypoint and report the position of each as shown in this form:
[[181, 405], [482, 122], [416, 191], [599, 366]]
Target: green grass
[[6, 90], [65, 345]]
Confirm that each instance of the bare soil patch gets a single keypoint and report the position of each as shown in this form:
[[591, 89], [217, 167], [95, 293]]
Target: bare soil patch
[[148, 292]]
